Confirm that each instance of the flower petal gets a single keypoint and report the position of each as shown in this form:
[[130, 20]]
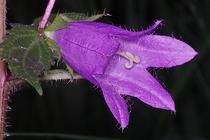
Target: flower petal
[[116, 104], [113, 31], [86, 51], [139, 83], [160, 51], [151, 29]]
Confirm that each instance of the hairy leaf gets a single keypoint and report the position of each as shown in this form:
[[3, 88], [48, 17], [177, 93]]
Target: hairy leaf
[[27, 54], [54, 48], [62, 20]]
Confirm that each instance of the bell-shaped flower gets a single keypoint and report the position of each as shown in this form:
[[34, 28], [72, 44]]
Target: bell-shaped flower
[[116, 60]]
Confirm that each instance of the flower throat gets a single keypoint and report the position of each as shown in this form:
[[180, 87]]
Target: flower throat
[[130, 57]]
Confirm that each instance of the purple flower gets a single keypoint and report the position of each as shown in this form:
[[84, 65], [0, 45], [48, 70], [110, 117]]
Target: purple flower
[[116, 60]]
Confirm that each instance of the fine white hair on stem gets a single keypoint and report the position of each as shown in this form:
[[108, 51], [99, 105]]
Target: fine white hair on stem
[[17, 84], [4, 93], [47, 13]]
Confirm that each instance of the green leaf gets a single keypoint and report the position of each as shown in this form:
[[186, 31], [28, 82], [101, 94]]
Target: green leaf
[[54, 48], [37, 20], [57, 23], [27, 54], [70, 17], [62, 20], [1, 53], [70, 71]]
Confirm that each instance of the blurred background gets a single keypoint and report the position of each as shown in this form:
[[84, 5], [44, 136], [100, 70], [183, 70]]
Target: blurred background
[[77, 111]]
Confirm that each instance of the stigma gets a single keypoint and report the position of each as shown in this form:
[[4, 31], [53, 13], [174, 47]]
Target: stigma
[[130, 57]]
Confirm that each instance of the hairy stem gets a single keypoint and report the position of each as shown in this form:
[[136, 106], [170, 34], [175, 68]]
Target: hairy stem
[[4, 93], [46, 16], [15, 84], [3, 98], [2, 19]]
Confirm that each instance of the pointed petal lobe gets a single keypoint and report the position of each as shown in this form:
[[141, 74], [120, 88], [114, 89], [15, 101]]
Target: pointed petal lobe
[[113, 31], [139, 83], [116, 104], [160, 51], [151, 29]]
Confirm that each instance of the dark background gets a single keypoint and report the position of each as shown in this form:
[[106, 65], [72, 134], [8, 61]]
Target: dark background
[[78, 111]]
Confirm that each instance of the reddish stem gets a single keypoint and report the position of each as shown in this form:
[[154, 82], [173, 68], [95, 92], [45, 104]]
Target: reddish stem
[[3, 98], [46, 16], [2, 19], [3, 73]]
